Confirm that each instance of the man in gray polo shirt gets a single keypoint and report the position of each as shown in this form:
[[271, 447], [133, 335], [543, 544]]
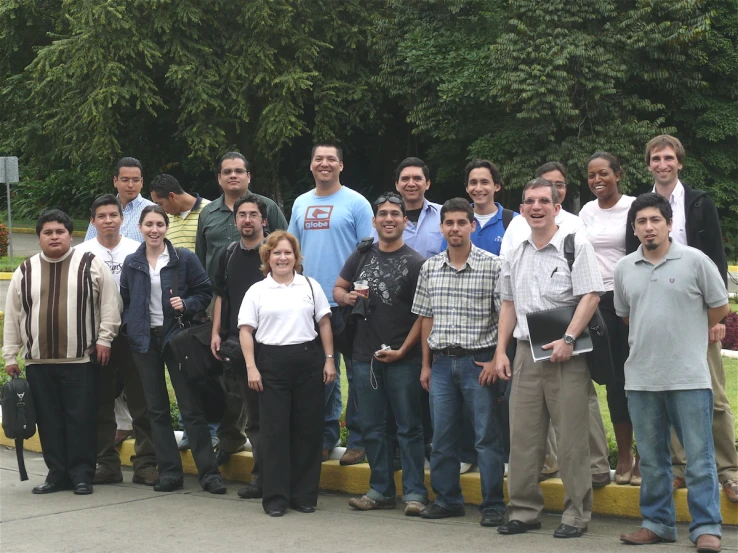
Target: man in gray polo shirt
[[670, 295]]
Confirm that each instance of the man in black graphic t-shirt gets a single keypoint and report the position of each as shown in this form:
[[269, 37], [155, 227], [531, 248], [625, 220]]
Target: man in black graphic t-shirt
[[388, 376]]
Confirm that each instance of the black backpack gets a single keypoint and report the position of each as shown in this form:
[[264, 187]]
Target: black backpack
[[19, 416]]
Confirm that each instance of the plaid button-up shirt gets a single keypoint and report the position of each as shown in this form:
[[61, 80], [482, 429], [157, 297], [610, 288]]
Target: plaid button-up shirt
[[537, 280], [464, 304]]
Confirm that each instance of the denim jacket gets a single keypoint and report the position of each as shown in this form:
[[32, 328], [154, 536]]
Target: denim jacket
[[135, 289]]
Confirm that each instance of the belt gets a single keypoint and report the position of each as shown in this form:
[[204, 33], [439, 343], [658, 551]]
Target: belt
[[460, 352], [293, 348]]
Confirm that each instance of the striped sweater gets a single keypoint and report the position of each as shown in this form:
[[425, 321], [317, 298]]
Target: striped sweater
[[47, 311], [182, 232]]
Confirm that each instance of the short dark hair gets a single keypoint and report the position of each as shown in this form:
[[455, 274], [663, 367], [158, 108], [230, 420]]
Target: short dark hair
[[54, 216], [250, 199], [649, 199], [339, 150], [551, 166], [105, 199], [540, 182], [483, 164], [153, 209], [457, 204], [615, 166], [666, 141], [384, 197], [164, 184], [127, 162], [233, 155], [412, 162]]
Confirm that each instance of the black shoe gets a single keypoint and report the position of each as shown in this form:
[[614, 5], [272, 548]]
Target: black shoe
[[221, 457], [518, 527], [275, 512], [302, 508], [396, 461], [83, 488], [250, 491], [492, 518], [168, 485], [566, 531], [435, 511], [215, 486], [49, 487]]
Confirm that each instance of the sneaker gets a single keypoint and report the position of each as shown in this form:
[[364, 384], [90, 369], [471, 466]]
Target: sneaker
[[413, 508], [436, 511], [148, 476], [366, 503]]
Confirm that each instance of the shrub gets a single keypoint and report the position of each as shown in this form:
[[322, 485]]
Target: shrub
[[3, 240], [731, 332]]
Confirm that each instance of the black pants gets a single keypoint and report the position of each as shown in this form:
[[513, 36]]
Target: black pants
[[617, 330], [151, 368], [291, 418], [237, 381], [121, 362], [66, 401]]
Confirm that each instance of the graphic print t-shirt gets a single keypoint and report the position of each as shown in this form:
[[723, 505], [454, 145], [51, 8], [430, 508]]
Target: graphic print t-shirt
[[392, 278]]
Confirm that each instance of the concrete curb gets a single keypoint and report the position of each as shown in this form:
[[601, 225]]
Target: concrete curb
[[612, 500]]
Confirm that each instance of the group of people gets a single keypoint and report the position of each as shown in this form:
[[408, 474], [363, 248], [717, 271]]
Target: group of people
[[431, 318]]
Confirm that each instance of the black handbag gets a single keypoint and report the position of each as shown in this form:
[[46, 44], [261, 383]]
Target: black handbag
[[601, 367], [19, 416]]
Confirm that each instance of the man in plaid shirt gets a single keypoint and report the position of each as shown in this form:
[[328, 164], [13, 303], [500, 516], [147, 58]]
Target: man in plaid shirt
[[457, 302]]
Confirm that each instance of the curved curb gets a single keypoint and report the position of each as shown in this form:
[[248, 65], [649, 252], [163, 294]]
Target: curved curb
[[612, 500]]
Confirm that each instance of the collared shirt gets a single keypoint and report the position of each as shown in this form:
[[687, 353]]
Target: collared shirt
[[424, 236], [679, 217], [131, 215], [518, 230], [216, 229], [539, 279], [182, 232], [464, 304], [488, 236]]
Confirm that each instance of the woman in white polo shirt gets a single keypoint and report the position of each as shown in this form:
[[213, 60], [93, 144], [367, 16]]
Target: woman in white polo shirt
[[605, 220], [287, 310]]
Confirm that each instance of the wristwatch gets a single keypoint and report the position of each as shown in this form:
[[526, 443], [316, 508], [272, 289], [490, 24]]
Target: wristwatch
[[329, 356], [569, 339]]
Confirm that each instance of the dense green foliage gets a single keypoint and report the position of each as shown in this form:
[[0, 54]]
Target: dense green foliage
[[519, 81]]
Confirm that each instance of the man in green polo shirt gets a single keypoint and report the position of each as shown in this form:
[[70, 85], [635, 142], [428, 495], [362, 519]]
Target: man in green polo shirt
[[215, 229]]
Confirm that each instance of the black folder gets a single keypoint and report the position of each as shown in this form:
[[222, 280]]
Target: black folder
[[548, 326]]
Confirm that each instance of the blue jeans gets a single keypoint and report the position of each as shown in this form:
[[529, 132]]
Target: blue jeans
[[334, 406], [395, 385], [213, 426], [690, 413], [454, 384]]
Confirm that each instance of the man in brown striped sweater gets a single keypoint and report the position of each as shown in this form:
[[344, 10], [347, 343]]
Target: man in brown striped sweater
[[52, 318]]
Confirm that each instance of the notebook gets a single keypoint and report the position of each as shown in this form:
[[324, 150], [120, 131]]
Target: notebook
[[550, 325]]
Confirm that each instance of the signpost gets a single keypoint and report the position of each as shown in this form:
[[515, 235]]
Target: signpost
[[9, 175]]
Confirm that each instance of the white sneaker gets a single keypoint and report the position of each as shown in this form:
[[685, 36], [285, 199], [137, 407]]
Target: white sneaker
[[413, 508], [465, 467]]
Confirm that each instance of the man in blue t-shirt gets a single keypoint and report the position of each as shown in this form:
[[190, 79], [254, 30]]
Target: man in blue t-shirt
[[329, 222]]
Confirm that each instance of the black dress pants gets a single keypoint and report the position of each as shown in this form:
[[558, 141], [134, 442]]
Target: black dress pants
[[291, 419], [66, 400]]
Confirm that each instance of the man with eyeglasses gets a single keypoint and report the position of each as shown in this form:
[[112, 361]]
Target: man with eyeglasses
[[330, 221], [128, 181], [215, 231], [536, 277], [388, 380], [111, 247]]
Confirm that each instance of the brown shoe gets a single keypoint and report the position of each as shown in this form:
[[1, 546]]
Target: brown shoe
[[707, 543], [148, 476], [105, 476], [122, 435], [643, 536], [679, 482], [353, 457], [326, 454], [600, 480], [731, 490]]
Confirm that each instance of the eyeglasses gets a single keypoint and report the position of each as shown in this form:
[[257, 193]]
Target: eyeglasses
[[227, 172], [542, 201], [126, 180], [254, 216], [559, 184]]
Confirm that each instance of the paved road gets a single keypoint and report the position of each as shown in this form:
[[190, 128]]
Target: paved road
[[127, 517]]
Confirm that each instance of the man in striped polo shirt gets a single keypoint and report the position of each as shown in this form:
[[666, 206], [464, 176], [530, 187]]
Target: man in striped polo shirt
[[48, 316], [183, 209]]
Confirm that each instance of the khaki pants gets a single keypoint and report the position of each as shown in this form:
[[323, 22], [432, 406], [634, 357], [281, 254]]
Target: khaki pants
[[544, 393], [598, 449], [723, 430]]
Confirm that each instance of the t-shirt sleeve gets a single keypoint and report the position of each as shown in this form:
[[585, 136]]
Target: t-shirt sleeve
[[622, 309], [293, 228], [422, 304], [585, 273], [322, 307], [349, 268], [711, 283], [363, 218], [248, 314], [506, 290]]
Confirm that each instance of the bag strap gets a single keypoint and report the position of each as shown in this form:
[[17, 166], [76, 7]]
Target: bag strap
[[569, 249], [21, 421], [312, 293], [507, 216], [230, 250]]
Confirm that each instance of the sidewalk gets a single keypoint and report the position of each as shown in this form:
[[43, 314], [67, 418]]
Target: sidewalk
[[127, 517]]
